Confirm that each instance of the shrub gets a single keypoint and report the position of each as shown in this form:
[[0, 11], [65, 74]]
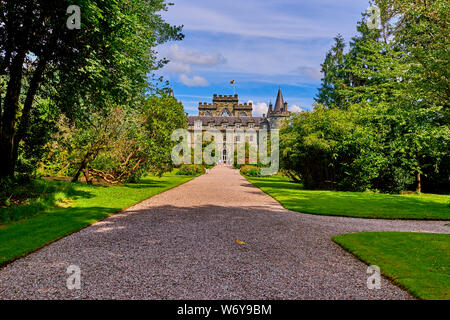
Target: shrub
[[191, 170], [251, 171]]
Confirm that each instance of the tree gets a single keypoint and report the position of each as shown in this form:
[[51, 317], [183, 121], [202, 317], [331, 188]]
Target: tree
[[397, 122], [333, 77], [422, 28], [103, 64], [121, 146]]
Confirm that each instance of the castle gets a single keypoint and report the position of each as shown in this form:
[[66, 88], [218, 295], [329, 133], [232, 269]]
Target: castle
[[225, 112]]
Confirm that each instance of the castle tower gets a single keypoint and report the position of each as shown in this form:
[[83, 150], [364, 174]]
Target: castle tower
[[279, 112], [279, 104], [225, 106]]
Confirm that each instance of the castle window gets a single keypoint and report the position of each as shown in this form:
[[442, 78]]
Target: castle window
[[242, 114], [224, 125], [251, 138], [207, 114], [238, 138], [211, 125], [238, 126], [251, 125], [225, 113]]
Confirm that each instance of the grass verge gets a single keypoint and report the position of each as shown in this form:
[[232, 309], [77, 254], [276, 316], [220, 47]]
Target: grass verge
[[354, 204], [67, 208], [417, 262]]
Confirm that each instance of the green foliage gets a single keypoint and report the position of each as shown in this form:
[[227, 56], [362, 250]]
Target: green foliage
[[121, 146], [251, 171], [332, 69], [422, 27], [35, 144], [364, 147], [191, 170], [163, 115], [378, 123], [417, 262], [84, 73]]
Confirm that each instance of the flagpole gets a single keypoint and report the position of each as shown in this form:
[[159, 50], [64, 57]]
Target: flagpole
[[234, 86]]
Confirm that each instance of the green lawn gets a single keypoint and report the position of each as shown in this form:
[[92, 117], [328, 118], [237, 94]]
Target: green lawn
[[418, 262], [69, 207], [354, 204]]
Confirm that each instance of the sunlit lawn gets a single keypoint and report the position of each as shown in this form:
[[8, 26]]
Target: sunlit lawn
[[354, 204], [64, 208], [418, 262]]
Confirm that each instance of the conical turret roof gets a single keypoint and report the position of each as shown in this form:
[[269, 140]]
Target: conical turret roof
[[279, 104]]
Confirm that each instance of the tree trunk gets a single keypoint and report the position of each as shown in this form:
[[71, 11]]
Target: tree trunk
[[11, 101], [26, 112], [419, 183], [418, 178], [292, 176], [79, 171], [11, 108], [86, 175], [80, 168]]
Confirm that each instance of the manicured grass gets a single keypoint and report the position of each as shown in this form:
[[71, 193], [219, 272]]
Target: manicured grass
[[77, 206], [354, 204], [418, 262]]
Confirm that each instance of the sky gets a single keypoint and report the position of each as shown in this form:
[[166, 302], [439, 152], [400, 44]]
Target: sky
[[261, 44]]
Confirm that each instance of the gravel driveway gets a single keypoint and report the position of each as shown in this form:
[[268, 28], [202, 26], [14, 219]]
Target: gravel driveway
[[181, 244]]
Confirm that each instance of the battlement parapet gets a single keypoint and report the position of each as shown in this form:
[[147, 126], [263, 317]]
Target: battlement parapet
[[245, 105], [225, 98], [206, 105]]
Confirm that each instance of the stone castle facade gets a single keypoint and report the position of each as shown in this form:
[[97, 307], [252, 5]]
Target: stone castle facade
[[225, 112]]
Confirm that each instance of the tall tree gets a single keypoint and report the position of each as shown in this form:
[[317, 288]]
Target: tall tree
[[392, 86], [423, 28], [103, 63], [333, 76]]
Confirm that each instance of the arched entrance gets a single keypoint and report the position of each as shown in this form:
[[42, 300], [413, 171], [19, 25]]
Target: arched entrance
[[224, 155]]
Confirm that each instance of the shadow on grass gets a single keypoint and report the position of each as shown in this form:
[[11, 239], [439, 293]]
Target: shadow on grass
[[38, 197]]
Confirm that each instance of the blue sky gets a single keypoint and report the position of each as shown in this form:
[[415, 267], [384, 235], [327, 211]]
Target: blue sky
[[262, 45]]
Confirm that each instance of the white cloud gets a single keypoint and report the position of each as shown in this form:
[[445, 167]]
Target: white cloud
[[195, 81], [263, 37], [259, 108], [295, 108], [310, 73], [250, 20], [287, 19], [178, 67], [262, 42], [178, 54], [181, 61]]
